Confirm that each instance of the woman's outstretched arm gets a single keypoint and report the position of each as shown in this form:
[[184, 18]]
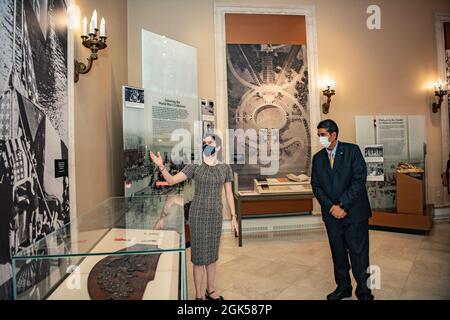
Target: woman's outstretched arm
[[170, 179]]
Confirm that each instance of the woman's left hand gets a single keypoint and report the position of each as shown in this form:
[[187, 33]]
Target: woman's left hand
[[159, 225], [234, 226]]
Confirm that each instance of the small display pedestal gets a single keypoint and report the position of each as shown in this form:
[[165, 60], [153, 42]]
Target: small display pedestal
[[410, 192], [412, 215]]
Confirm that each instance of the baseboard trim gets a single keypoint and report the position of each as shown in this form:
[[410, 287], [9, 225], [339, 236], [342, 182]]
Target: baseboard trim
[[441, 212]]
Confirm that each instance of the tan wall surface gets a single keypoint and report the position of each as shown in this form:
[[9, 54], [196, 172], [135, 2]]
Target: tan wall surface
[[98, 109], [377, 72]]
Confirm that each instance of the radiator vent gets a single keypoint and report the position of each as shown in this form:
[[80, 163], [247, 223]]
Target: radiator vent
[[255, 229], [276, 225], [298, 226]]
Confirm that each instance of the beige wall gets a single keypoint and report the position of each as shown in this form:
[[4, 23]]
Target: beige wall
[[98, 110], [377, 72]]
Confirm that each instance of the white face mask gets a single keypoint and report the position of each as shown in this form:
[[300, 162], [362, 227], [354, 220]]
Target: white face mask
[[324, 142]]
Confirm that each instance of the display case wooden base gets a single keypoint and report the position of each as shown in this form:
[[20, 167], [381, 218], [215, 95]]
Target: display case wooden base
[[254, 205], [403, 222]]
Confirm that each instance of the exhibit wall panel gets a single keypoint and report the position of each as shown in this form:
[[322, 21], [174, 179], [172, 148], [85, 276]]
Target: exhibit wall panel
[[137, 164], [268, 84], [166, 118], [98, 108], [169, 78], [377, 72], [34, 127]]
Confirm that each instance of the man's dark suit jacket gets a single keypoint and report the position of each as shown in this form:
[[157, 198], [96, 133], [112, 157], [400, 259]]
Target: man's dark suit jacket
[[345, 183]]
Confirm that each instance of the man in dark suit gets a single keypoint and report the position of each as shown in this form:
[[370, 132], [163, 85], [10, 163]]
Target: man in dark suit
[[339, 183]]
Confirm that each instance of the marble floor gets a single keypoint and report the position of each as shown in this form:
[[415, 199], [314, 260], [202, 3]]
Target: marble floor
[[297, 265]]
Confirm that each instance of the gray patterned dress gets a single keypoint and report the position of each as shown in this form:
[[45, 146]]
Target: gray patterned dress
[[205, 213]]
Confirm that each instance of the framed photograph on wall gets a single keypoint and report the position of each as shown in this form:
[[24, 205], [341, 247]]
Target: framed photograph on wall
[[267, 80], [133, 97], [207, 109], [374, 153], [208, 127]]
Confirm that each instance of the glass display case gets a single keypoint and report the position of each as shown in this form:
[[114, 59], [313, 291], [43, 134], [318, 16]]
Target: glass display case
[[123, 249], [245, 184]]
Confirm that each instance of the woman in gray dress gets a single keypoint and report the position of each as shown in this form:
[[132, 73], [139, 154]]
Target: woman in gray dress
[[205, 213]]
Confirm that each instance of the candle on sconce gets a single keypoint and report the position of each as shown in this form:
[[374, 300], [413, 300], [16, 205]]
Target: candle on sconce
[[84, 31], [93, 24], [103, 28], [329, 84], [442, 85], [93, 39], [332, 83], [328, 91]]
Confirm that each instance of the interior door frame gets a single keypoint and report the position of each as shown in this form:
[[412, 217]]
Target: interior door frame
[[440, 18]]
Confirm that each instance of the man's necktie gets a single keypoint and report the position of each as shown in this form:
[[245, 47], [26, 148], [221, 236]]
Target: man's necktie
[[331, 160]]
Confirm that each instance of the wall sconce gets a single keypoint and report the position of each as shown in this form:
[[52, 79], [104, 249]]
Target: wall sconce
[[328, 91], [440, 90], [93, 41]]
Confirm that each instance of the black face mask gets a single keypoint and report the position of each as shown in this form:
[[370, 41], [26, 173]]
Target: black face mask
[[208, 150]]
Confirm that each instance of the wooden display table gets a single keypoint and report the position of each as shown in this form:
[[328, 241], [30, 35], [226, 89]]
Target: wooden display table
[[264, 205]]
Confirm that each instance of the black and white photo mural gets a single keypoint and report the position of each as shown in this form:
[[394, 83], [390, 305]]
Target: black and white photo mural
[[33, 129], [268, 89]]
